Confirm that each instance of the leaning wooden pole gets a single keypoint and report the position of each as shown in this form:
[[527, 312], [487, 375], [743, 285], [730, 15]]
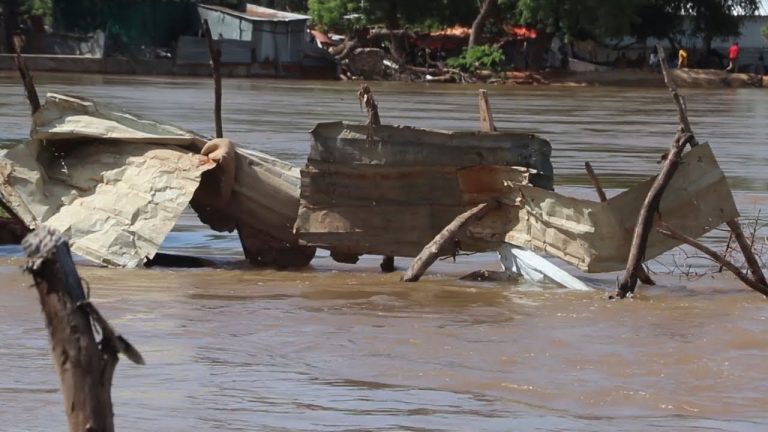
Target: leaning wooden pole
[[431, 251], [215, 52], [642, 275], [653, 199], [647, 214], [85, 365], [26, 76], [486, 115]]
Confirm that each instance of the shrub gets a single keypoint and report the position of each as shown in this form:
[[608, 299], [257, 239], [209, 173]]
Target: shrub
[[479, 57]]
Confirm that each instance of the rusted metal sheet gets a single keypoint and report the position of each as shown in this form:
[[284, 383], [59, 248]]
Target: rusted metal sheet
[[390, 189]]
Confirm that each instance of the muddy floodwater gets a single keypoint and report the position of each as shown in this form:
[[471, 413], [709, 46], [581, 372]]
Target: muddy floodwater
[[339, 347]]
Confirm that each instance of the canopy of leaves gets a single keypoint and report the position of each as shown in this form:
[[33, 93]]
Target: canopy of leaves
[[329, 14], [640, 18]]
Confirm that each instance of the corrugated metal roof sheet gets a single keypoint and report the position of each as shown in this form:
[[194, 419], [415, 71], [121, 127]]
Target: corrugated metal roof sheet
[[257, 13]]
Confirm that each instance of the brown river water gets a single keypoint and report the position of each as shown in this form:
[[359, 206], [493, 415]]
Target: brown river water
[[338, 347]]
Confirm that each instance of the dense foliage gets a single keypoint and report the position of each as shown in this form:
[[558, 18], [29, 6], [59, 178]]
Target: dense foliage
[[479, 57], [640, 18]]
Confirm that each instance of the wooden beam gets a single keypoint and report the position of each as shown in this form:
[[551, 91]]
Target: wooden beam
[[486, 115], [215, 53], [431, 251], [647, 212], [85, 366], [682, 109], [642, 275], [26, 76]]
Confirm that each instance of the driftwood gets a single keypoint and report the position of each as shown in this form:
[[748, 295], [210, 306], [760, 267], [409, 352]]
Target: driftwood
[[642, 274], [432, 250], [595, 182], [85, 366], [668, 231], [26, 77], [215, 53]]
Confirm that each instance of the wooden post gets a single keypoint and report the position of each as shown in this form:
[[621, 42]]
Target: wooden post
[[642, 275], [365, 97], [429, 254], [757, 285], [85, 366], [215, 53], [486, 115], [26, 77], [682, 109], [595, 182]]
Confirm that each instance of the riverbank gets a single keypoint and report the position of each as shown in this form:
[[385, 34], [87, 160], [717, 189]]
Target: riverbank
[[691, 78]]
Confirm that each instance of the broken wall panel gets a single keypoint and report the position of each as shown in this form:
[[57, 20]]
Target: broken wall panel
[[596, 237], [391, 192]]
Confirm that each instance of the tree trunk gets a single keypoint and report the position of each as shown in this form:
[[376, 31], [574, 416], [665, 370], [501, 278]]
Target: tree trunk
[[85, 365], [479, 24]]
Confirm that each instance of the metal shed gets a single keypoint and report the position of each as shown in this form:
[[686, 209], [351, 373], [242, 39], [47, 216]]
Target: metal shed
[[275, 36]]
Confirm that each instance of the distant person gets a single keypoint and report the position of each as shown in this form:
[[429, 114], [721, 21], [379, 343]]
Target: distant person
[[760, 67], [682, 58], [733, 58]]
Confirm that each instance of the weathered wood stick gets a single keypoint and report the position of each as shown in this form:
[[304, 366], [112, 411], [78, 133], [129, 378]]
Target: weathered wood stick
[[215, 53], [365, 97], [746, 249], [682, 109], [647, 211], [429, 254], [85, 366], [26, 76], [595, 182], [642, 275], [677, 235], [486, 115]]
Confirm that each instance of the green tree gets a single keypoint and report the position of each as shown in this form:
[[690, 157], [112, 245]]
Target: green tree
[[580, 18], [394, 14], [329, 14]]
